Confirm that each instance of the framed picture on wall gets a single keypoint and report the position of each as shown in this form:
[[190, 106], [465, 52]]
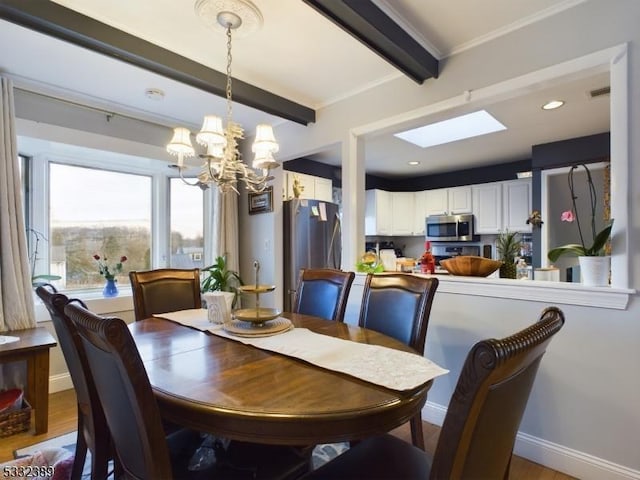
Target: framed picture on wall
[[261, 202]]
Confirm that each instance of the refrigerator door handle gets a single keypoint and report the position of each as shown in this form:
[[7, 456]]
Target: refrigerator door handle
[[331, 260]]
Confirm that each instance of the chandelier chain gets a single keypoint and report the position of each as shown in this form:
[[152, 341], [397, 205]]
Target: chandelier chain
[[229, 58]]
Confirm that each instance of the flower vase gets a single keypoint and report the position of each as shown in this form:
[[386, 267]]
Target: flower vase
[[595, 271], [110, 288]]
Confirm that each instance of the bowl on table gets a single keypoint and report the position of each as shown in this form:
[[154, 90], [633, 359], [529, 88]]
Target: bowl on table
[[470, 266]]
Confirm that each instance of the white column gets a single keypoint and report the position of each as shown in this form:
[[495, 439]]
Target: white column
[[353, 173]]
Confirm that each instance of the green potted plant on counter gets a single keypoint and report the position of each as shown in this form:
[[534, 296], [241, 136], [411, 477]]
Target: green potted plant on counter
[[508, 247]]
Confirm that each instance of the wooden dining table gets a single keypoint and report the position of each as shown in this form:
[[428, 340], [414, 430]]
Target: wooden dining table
[[229, 389]]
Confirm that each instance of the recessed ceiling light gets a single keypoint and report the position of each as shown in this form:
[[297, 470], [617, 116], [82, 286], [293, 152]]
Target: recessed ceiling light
[[414, 162], [553, 104], [458, 128]]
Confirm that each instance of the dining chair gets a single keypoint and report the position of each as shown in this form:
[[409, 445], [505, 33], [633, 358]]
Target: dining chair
[[133, 416], [323, 292], [164, 290], [398, 305], [482, 420], [92, 431]]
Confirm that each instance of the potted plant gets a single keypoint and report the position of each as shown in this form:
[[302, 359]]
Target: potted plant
[[508, 247], [218, 277], [594, 264]]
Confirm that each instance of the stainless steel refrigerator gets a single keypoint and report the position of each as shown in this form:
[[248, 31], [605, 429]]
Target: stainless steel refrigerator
[[312, 239]]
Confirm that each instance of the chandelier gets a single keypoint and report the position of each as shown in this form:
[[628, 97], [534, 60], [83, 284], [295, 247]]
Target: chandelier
[[222, 164]]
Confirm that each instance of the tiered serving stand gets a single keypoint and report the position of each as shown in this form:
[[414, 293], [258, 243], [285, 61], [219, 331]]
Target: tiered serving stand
[[257, 321]]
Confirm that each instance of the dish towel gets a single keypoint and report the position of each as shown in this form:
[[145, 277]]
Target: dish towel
[[376, 364]]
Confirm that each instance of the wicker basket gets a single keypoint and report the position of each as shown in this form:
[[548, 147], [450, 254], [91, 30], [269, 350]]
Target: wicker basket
[[15, 421]]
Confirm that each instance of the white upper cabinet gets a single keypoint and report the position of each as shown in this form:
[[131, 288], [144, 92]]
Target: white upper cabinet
[[487, 207], [314, 188], [448, 201], [516, 204], [323, 189], [459, 200], [419, 212], [377, 216], [437, 201], [402, 216], [500, 206]]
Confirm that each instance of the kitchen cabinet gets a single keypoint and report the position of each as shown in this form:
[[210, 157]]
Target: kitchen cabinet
[[516, 204], [437, 201], [323, 188], [501, 206], [448, 201], [419, 212], [377, 216], [459, 200], [487, 208], [402, 216], [316, 188]]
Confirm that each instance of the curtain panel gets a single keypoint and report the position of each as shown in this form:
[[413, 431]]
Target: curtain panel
[[16, 294]]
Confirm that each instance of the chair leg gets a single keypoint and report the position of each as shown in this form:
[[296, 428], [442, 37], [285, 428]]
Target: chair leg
[[100, 458], [80, 455], [417, 437]]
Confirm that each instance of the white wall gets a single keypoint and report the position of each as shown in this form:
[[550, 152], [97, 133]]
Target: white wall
[[583, 415]]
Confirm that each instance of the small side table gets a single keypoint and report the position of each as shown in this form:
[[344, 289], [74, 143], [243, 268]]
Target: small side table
[[33, 346]]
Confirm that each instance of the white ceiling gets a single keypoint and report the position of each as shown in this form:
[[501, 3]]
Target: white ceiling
[[302, 56]]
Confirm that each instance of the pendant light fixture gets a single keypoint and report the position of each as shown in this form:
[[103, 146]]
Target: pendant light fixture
[[222, 165]]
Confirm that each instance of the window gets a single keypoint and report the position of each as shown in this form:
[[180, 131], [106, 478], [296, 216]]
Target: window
[[99, 212], [186, 225]]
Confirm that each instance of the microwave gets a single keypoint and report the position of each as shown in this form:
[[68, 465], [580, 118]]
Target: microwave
[[450, 228]]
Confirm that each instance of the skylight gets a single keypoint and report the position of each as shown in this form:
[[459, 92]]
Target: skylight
[[458, 128]]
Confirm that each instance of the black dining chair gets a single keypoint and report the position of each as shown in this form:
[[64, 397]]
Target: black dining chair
[[164, 290], [133, 415], [398, 305], [92, 432], [323, 292], [482, 420]]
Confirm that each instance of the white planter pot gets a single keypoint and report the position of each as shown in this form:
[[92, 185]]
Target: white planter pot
[[219, 306], [595, 271]]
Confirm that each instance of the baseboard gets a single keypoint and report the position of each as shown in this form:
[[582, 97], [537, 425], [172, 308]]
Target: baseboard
[[551, 455], [60, 382], [572, 462]]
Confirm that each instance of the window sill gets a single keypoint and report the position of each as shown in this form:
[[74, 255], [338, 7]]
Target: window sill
[[95, 302], [556, 293]]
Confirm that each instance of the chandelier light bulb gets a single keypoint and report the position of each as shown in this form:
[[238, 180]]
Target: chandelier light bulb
[[180, 145], [216, 151], [211, 132], [264, 160], [265, 140]]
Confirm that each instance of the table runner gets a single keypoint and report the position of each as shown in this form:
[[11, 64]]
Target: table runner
[[376, 364]]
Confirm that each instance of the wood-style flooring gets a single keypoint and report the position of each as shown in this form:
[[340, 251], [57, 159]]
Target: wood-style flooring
[[62, 419]]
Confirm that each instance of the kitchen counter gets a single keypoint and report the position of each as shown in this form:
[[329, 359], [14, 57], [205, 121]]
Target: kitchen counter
[[550, 293]]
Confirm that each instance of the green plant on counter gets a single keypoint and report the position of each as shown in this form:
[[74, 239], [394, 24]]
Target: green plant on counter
[[370, 263], [508, 247]]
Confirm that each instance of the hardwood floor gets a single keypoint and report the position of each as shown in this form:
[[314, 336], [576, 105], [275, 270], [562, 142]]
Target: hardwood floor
[[62, 419]]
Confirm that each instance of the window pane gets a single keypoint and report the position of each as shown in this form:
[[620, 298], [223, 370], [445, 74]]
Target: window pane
[[187, 225], [97, 212]]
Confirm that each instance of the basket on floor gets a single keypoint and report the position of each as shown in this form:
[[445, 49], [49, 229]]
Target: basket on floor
[[15, 421]]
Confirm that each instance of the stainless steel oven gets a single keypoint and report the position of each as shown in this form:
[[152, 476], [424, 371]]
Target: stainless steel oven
[[450, 228]]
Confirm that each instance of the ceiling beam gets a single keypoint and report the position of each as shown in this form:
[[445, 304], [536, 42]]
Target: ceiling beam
[[65, 24], [373, 27]]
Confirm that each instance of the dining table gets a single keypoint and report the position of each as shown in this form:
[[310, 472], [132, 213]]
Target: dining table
[[230, 389]]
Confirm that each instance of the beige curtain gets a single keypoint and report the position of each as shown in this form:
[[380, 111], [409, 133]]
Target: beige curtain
[[226, 228], [16, 295]]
